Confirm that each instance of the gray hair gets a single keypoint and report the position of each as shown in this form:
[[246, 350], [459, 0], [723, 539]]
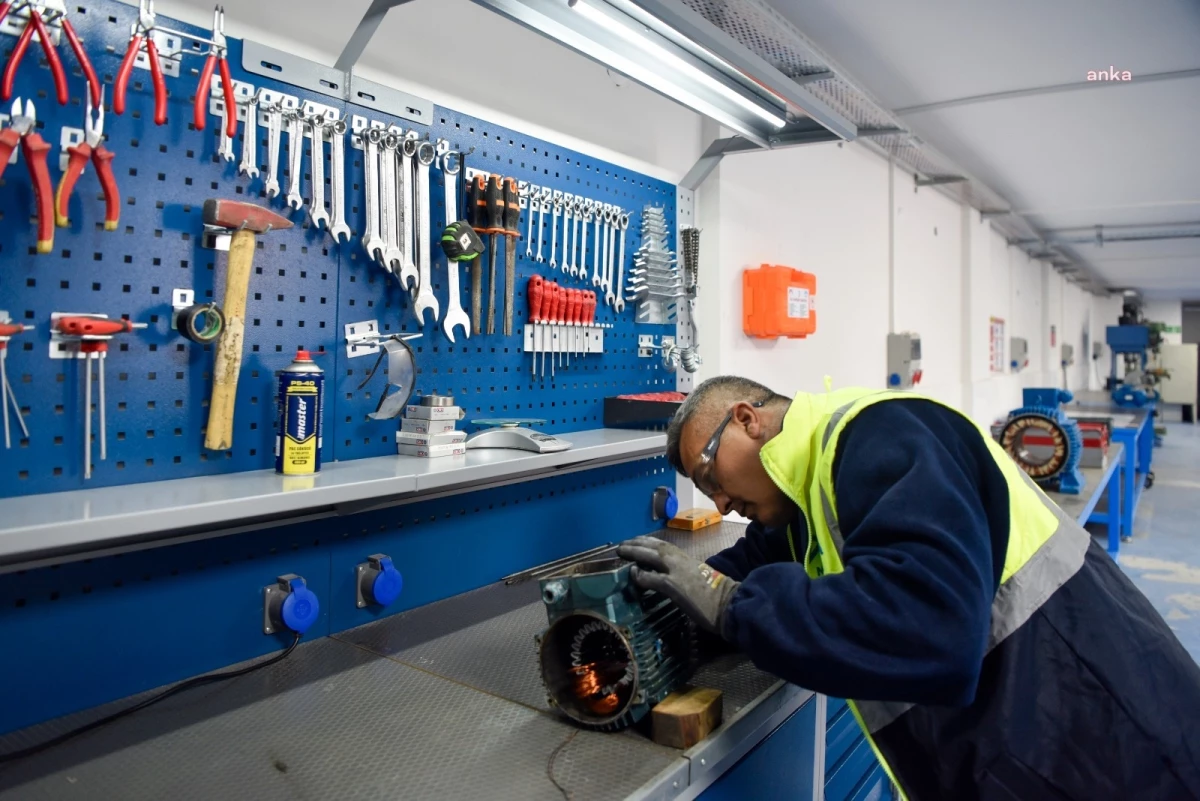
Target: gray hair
[[715, 394]]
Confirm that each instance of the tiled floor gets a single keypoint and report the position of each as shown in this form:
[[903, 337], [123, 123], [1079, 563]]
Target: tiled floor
[[1163, 557]]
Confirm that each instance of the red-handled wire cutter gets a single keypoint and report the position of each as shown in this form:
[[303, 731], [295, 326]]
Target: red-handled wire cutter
[[34, 149], [143, 31], [217, 55], [40, 13], [91, 148]]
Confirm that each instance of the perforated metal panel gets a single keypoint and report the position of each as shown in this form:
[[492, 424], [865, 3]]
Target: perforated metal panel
[[304, 290]]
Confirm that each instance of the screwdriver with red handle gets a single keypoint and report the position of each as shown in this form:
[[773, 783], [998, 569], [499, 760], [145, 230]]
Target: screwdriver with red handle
[[535, 293], [573, 303], [560, 317], [93, 334], [589, 312], [8, 329], [557, 298]]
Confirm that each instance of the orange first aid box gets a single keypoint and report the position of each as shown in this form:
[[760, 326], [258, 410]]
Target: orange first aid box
[[778, 301]]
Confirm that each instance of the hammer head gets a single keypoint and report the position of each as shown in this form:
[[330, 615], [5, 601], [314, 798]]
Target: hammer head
[[236, 215]]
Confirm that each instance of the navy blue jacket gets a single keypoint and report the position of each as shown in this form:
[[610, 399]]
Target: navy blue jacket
[[924, 512]]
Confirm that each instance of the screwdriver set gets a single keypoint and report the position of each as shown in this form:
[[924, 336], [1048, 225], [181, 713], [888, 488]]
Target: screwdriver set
[[103, 215]]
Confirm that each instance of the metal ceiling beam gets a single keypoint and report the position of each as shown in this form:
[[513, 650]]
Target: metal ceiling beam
[[364, 32], [1101, 234], [938, 180], [1075, 86]]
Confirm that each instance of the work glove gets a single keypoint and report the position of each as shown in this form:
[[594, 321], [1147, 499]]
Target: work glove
[[699, 590]]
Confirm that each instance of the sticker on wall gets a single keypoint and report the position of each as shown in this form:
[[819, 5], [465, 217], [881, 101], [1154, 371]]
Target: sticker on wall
[[1053, 336], [996, 345]]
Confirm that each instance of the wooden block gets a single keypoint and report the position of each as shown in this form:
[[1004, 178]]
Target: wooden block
[[686, 717], [695, 519]]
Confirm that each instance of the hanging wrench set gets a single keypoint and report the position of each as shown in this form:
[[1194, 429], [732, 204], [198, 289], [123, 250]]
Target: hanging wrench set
[[107, 228]]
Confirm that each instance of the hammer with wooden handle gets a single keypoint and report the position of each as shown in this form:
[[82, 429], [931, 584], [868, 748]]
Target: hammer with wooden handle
[[246, 221]]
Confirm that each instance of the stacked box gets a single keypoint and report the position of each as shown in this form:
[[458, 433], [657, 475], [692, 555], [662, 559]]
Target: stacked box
[[431, 431]]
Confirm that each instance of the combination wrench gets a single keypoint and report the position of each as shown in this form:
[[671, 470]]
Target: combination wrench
[[554, 215], [530, 192], [454, 311], [597, 279], [337, 158], [225, 151], [274, 125], [316, 210], [568, 218], [541, 210], [425, 297], [408, 267], [295, 131], [249, 165], [623, 223], [389, 225], [372, 242], [577, 264], [610, 232]]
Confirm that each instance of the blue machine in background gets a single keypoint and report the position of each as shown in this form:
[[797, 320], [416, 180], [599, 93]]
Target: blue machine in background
[[1044, 442], [1132, 343]]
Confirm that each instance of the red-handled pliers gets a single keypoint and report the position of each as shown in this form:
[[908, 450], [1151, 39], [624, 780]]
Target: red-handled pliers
[[92, 147], [35, 25], [217, 54], [34, 149], [143, 31]]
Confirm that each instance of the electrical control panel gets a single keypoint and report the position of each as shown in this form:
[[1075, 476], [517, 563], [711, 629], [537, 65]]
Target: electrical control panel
[[903, 360], [1068, 355], [1018, 348]]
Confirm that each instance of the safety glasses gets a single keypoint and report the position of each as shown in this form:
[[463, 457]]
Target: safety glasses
[[702, 476]]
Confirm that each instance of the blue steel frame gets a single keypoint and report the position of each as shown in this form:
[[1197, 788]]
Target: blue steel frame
[[1109, 486]]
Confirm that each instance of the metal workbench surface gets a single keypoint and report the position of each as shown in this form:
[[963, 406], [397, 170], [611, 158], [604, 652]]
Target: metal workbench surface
[[1081, 505], [1100, 404], [443, 701]]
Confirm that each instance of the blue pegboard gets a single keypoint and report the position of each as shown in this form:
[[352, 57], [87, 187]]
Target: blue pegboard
[[304, 290]]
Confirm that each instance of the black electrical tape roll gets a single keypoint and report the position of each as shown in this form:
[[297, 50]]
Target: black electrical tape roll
[[201, 323]]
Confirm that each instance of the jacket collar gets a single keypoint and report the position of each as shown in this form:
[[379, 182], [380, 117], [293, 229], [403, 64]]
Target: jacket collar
[[790, 457]]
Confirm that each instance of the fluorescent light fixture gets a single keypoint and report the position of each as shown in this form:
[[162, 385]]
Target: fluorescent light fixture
[[646, 45]]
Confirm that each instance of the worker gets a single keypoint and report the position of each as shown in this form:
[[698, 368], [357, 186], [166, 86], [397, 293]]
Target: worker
[[898, 557]]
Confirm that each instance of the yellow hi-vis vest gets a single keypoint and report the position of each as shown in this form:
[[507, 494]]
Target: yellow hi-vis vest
[[1045, 547]]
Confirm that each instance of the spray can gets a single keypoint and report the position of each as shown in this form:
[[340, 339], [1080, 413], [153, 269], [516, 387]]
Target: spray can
[[300, 426]]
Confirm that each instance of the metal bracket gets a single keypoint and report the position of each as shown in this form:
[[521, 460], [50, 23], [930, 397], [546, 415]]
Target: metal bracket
[[68, 138], [64, 347], [362, 339], [14, 23], [170, 53], [180, 299], [646, 346]]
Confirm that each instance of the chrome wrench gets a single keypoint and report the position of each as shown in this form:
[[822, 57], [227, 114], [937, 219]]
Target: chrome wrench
[[610, 231], [389, 224], [577, 267], [425, 297], [316, 210], [274, 124], [530, 193], [554, 215], [597, 280], [249, 165], [225, 151], [454, 313], [541, 210], [568, 221], [337, 159], [623, 223], [408, 267], [372, 242], [585, 218], [295, 131]]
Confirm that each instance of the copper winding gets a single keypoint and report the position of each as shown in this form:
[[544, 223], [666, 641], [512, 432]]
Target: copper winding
[[589, 689]]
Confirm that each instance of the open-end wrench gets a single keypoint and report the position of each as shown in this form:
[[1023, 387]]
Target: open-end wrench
[[606, 259], [451, 167], [404, 184], [556, 211], [337, 159], [317, 212], [577, 267], [249, 165], [597, 279], [389, 225], [372, 242], [584, 217], [295, 130], [568, 266], [623, 224], [541, 210], [531, 192], [425, 297], [225, 151], [274, 124]]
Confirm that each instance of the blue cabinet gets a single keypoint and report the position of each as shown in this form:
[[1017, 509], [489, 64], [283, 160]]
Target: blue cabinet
[[852, 773], [780, 768]]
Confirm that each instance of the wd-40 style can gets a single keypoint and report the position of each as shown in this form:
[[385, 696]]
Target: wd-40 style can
[[298, 435]]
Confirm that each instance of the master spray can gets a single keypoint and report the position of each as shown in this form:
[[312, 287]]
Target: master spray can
[[300, 402]]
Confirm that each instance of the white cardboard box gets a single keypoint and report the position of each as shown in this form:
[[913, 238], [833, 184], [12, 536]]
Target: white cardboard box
[[444, 438], [416, 425], [432, 451], [434, 412]]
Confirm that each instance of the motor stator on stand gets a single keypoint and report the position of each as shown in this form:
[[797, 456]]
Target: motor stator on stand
[[1044, 442]]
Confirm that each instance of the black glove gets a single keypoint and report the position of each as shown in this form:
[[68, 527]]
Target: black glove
[[701, 592], [460, 242]]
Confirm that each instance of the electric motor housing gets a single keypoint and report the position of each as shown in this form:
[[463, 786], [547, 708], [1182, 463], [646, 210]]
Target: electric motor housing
[[611, 650], [1044, 442]]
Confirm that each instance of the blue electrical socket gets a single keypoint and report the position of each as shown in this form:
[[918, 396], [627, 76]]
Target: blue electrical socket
[[290, 605]]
